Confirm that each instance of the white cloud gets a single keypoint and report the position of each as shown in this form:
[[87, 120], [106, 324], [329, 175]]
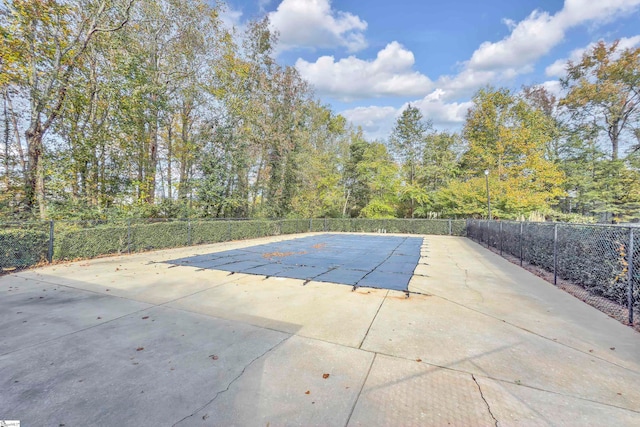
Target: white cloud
[[314, 24], [465, 83], [376, 122], [444, 115], [529, 40], [576, 12], [554, 87], [537, 34], [559, 67], [262, 5], [231, 18], [389, 74], [392, 72]]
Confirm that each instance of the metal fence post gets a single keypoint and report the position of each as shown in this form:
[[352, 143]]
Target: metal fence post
[[631, 276], [521, 237], [310, 225], [50, 249], [229, 230], [500, 238], [555, 254], [450, 227], [129, 235], [189, 232]]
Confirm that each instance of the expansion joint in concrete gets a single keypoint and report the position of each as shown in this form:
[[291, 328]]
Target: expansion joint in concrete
[[373, 320], [355, 402]]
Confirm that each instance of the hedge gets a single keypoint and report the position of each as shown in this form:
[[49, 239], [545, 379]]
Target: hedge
[[22, 248], [75, 240]]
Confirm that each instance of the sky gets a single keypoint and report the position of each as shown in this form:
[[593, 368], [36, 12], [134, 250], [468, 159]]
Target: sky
[[369, 59]]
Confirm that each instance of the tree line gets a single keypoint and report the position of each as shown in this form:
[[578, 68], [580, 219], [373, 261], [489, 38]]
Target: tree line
[[155, 108]]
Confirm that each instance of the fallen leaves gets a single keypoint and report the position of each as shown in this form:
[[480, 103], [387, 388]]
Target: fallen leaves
[[213, 357], [276, 254], [139, 348], [325, 376]]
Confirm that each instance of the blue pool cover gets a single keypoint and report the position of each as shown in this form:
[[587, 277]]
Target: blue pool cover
[[385, 262]]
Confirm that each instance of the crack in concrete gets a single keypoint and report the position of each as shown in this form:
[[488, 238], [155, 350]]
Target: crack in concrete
[[232, 381], [495, 420]]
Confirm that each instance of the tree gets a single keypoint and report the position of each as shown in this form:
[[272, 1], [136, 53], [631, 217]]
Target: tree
[[508, 137], [604, 89], [408, 142], [372, 181], [440, 159], [53, 38]]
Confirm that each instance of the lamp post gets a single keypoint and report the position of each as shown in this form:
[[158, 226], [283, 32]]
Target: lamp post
[[486, 176]]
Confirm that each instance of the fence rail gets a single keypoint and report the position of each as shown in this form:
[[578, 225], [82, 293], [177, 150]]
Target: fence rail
[[23, 244], [602, 260]]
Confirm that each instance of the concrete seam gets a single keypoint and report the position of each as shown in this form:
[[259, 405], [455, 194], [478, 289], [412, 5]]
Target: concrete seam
[[495, 420], [373, 320], [537, 334], [501, 380], [353, 408], [232, 381]]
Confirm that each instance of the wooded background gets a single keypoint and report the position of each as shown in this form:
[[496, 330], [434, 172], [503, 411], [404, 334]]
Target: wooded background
[[153, 108]]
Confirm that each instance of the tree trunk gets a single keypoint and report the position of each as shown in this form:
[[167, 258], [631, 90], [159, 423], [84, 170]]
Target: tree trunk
[[34, 183], [7, 163], [169, 156], [153, 155]]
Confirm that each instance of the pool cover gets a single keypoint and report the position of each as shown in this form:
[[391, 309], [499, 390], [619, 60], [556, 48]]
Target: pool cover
[[385, 262]]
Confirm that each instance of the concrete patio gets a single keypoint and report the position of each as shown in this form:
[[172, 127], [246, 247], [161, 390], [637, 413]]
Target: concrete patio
[[134, 341]]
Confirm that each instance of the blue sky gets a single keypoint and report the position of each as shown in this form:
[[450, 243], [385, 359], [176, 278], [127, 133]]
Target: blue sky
[[368, 59]]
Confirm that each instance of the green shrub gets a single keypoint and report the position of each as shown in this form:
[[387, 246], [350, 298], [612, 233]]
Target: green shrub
[[248, 229], [338, 224], [22, 248], [203, 231], [292, 226], [72, 242], [159, 235]]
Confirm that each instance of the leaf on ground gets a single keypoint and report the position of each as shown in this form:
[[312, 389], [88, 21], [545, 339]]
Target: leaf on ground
[[139, 348], [145, 317], [214, 357], [325, 376], [307, 392]]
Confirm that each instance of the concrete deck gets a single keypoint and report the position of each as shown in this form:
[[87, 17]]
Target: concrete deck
[[130, 340]]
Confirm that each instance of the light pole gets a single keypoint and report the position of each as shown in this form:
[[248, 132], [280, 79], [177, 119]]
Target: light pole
[[486, 176]]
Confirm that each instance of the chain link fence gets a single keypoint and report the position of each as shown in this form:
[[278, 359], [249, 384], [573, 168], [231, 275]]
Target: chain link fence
[[23, 244], [600, 264]]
